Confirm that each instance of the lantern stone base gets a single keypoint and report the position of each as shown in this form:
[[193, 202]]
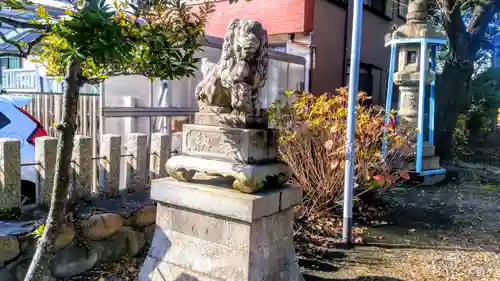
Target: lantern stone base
[[429, 160], [209, 232], [428, 150], [428, 163]]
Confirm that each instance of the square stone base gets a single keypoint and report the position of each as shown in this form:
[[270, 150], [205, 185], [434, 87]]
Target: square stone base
[[209, 233], [230, 144]]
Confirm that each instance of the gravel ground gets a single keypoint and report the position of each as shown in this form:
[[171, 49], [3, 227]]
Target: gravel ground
[[449, 232], [376, 263]]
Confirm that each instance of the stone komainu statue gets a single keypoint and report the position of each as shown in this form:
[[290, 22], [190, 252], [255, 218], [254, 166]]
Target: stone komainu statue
[[232, 85], [230, 137]]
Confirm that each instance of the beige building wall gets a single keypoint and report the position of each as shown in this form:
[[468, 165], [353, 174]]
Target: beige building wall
[[332, 41]]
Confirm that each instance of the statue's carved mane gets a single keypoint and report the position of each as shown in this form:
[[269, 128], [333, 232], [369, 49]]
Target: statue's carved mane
[[260, 60], [218, 88]]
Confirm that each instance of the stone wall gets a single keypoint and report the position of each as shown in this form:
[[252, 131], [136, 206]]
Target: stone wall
[[99, 231], [104, 223]]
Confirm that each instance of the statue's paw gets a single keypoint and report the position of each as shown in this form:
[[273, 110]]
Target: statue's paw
[[246, 187], [182, 174], [281, 179]]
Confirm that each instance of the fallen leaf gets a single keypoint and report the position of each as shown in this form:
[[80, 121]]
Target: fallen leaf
[[334, 164], [358, 240], [329, 144], [404, 174]]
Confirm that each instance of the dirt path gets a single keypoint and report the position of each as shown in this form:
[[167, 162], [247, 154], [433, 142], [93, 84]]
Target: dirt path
[[447, 232]]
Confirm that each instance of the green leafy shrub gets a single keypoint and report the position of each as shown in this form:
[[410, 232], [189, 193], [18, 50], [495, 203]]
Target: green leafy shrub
[[475, 119], [155, 39], [312, 141]]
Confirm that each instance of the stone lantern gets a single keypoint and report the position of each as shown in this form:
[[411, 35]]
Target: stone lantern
[[412, 67]]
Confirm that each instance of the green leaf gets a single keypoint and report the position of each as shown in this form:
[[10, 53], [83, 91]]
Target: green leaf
[[39, 231]]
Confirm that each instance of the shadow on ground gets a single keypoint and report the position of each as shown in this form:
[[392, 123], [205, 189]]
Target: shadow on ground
[[456, 214], [423, 229], [365, 278]]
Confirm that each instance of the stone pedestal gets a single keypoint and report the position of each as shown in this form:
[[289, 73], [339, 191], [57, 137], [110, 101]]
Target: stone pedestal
[[208, 232], [232, 146]]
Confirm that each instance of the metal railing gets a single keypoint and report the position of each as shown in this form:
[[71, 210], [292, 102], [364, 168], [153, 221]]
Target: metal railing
[[29, 80]]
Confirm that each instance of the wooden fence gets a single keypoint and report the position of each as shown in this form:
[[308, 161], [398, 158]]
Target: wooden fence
[[47, 108]]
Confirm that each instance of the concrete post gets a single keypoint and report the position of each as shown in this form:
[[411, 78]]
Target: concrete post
[[137, 163], [81, 167], [110, 163], [45, 156], [160, 152], [10, 174], [130, 123]]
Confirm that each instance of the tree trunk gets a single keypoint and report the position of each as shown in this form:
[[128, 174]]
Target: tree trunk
[[451, 93], [39, 268], [452, 88]]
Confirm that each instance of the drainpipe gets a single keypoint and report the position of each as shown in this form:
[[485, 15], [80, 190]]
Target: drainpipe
[[344, 59], [308, 86]]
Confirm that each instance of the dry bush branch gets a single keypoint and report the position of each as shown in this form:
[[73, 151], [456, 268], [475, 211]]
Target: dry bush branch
[[312, 142]]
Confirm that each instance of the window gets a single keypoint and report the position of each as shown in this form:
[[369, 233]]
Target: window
[[402, 8], [383, 8], [341, 3], [411, 57], [372, 80], [365, 80], [11, 62], [377, 5], [4, 121]]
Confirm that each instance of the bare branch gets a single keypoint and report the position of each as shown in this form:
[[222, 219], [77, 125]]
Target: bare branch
[[480, 18]]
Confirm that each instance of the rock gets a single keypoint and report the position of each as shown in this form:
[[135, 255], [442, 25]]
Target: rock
[[22, 268], [65, 236], [143, 217], [110, 249], [124, 205], [135, 240], [9, 248], [101, 226], [6, 274], [28, 245], [73, 260], [149, 232]]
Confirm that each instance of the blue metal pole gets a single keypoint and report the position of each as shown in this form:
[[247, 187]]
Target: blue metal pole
[[421, 101], [432, 103], [388, 98], [351, 119]]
